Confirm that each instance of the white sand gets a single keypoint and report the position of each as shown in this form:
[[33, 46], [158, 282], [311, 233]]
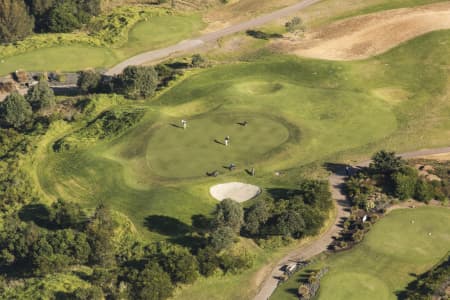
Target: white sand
[[236, 191]]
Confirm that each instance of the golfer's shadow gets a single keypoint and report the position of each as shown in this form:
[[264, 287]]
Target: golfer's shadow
[[219, 142], [175, 125]]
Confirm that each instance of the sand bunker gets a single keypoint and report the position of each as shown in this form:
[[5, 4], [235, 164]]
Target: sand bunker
[[236, 191], [364, 36]]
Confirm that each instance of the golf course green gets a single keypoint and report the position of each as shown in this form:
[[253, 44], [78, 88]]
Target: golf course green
[[405, 242], [299, 111]]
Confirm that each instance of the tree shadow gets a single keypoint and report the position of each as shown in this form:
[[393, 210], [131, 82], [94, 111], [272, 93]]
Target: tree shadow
[[37, 213], [201, 223], [178, 65], [166, 225], [69, 91], [282, 193], [258, 34]]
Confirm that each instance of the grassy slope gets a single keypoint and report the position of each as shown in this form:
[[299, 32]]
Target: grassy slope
[[157, 32], [341, 109], [384, 262]]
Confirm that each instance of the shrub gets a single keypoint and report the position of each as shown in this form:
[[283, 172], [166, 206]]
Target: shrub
[[424, 191], [293, 25], [137, 82], [405, 183]]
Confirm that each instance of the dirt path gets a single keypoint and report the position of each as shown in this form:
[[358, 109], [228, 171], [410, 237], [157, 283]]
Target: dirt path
[[306, 252], [187, 45], [368, 35]]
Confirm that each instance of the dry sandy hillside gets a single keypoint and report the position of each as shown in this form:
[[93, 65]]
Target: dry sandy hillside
[[364, 36]]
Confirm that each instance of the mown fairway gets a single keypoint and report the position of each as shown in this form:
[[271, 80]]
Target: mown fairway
[[299, 111], [157, 32], [384, 262]]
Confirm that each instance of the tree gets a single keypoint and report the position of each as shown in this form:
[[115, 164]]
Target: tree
[[229, 213], [41, 96], [62, 17], [290, 223], [207, 260], [423, 191], [405, 183], [65, 214], [256, 215], [385, 162], [180, 265], [222, 238], [88, 81], [15, 111], [90, 293], [99, 232], [152, 283], [39, 9], [15, 22], [138, 82]]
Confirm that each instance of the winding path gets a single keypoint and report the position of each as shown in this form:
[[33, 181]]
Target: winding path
[[187, 45], [306, 252]]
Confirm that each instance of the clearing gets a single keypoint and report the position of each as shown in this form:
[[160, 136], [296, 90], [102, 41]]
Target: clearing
[[368, 35]]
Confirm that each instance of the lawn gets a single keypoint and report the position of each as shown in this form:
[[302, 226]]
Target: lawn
[[384, 263], [300, 111], [157, 32]]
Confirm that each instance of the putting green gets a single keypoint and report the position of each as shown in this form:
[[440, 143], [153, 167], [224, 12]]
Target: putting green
[[176, 152], [384, 262]]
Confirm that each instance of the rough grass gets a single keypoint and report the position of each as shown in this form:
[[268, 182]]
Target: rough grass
[[384, 263]]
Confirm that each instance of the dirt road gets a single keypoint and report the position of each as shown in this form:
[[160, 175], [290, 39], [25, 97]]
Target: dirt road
[[336, 182], [187, 45]]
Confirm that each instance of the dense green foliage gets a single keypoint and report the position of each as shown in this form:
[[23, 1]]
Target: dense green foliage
[[41, 97], [137, 82], [15, 111], [15, 23], [385, 261], [429, 284], [107, 125], [19, 18]]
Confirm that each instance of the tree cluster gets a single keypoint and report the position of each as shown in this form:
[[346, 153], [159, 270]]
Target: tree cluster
[[431, 284], [296, 214], [135, 82], [19, 18], [16, 111]]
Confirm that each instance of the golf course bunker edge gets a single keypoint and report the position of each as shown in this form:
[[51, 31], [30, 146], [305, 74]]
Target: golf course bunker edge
[[237, 191]]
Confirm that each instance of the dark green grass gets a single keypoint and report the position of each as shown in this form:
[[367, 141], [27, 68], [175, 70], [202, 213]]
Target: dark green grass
[[386, 260]]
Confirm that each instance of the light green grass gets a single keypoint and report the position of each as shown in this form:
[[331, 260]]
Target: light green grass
[[63, 58], [383, 263], [157, 32]]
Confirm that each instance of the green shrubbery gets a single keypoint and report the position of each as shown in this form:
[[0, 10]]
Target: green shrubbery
[[430, 285], [105, 30], [107, 125]]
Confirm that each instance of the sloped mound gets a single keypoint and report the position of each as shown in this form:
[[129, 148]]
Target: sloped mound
[[368, 35], [236, 191]]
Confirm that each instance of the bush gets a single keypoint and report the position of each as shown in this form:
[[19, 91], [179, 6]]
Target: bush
[[405, 183], [137, 82], [424, 191], [235, 263], [88, 81]]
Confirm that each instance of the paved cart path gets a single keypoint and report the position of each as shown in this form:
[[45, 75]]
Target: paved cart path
[[187, 45], [306, 252]]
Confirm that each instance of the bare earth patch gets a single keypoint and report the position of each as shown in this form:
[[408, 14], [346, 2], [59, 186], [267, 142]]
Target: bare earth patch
[[368, 35], [236, 191]]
